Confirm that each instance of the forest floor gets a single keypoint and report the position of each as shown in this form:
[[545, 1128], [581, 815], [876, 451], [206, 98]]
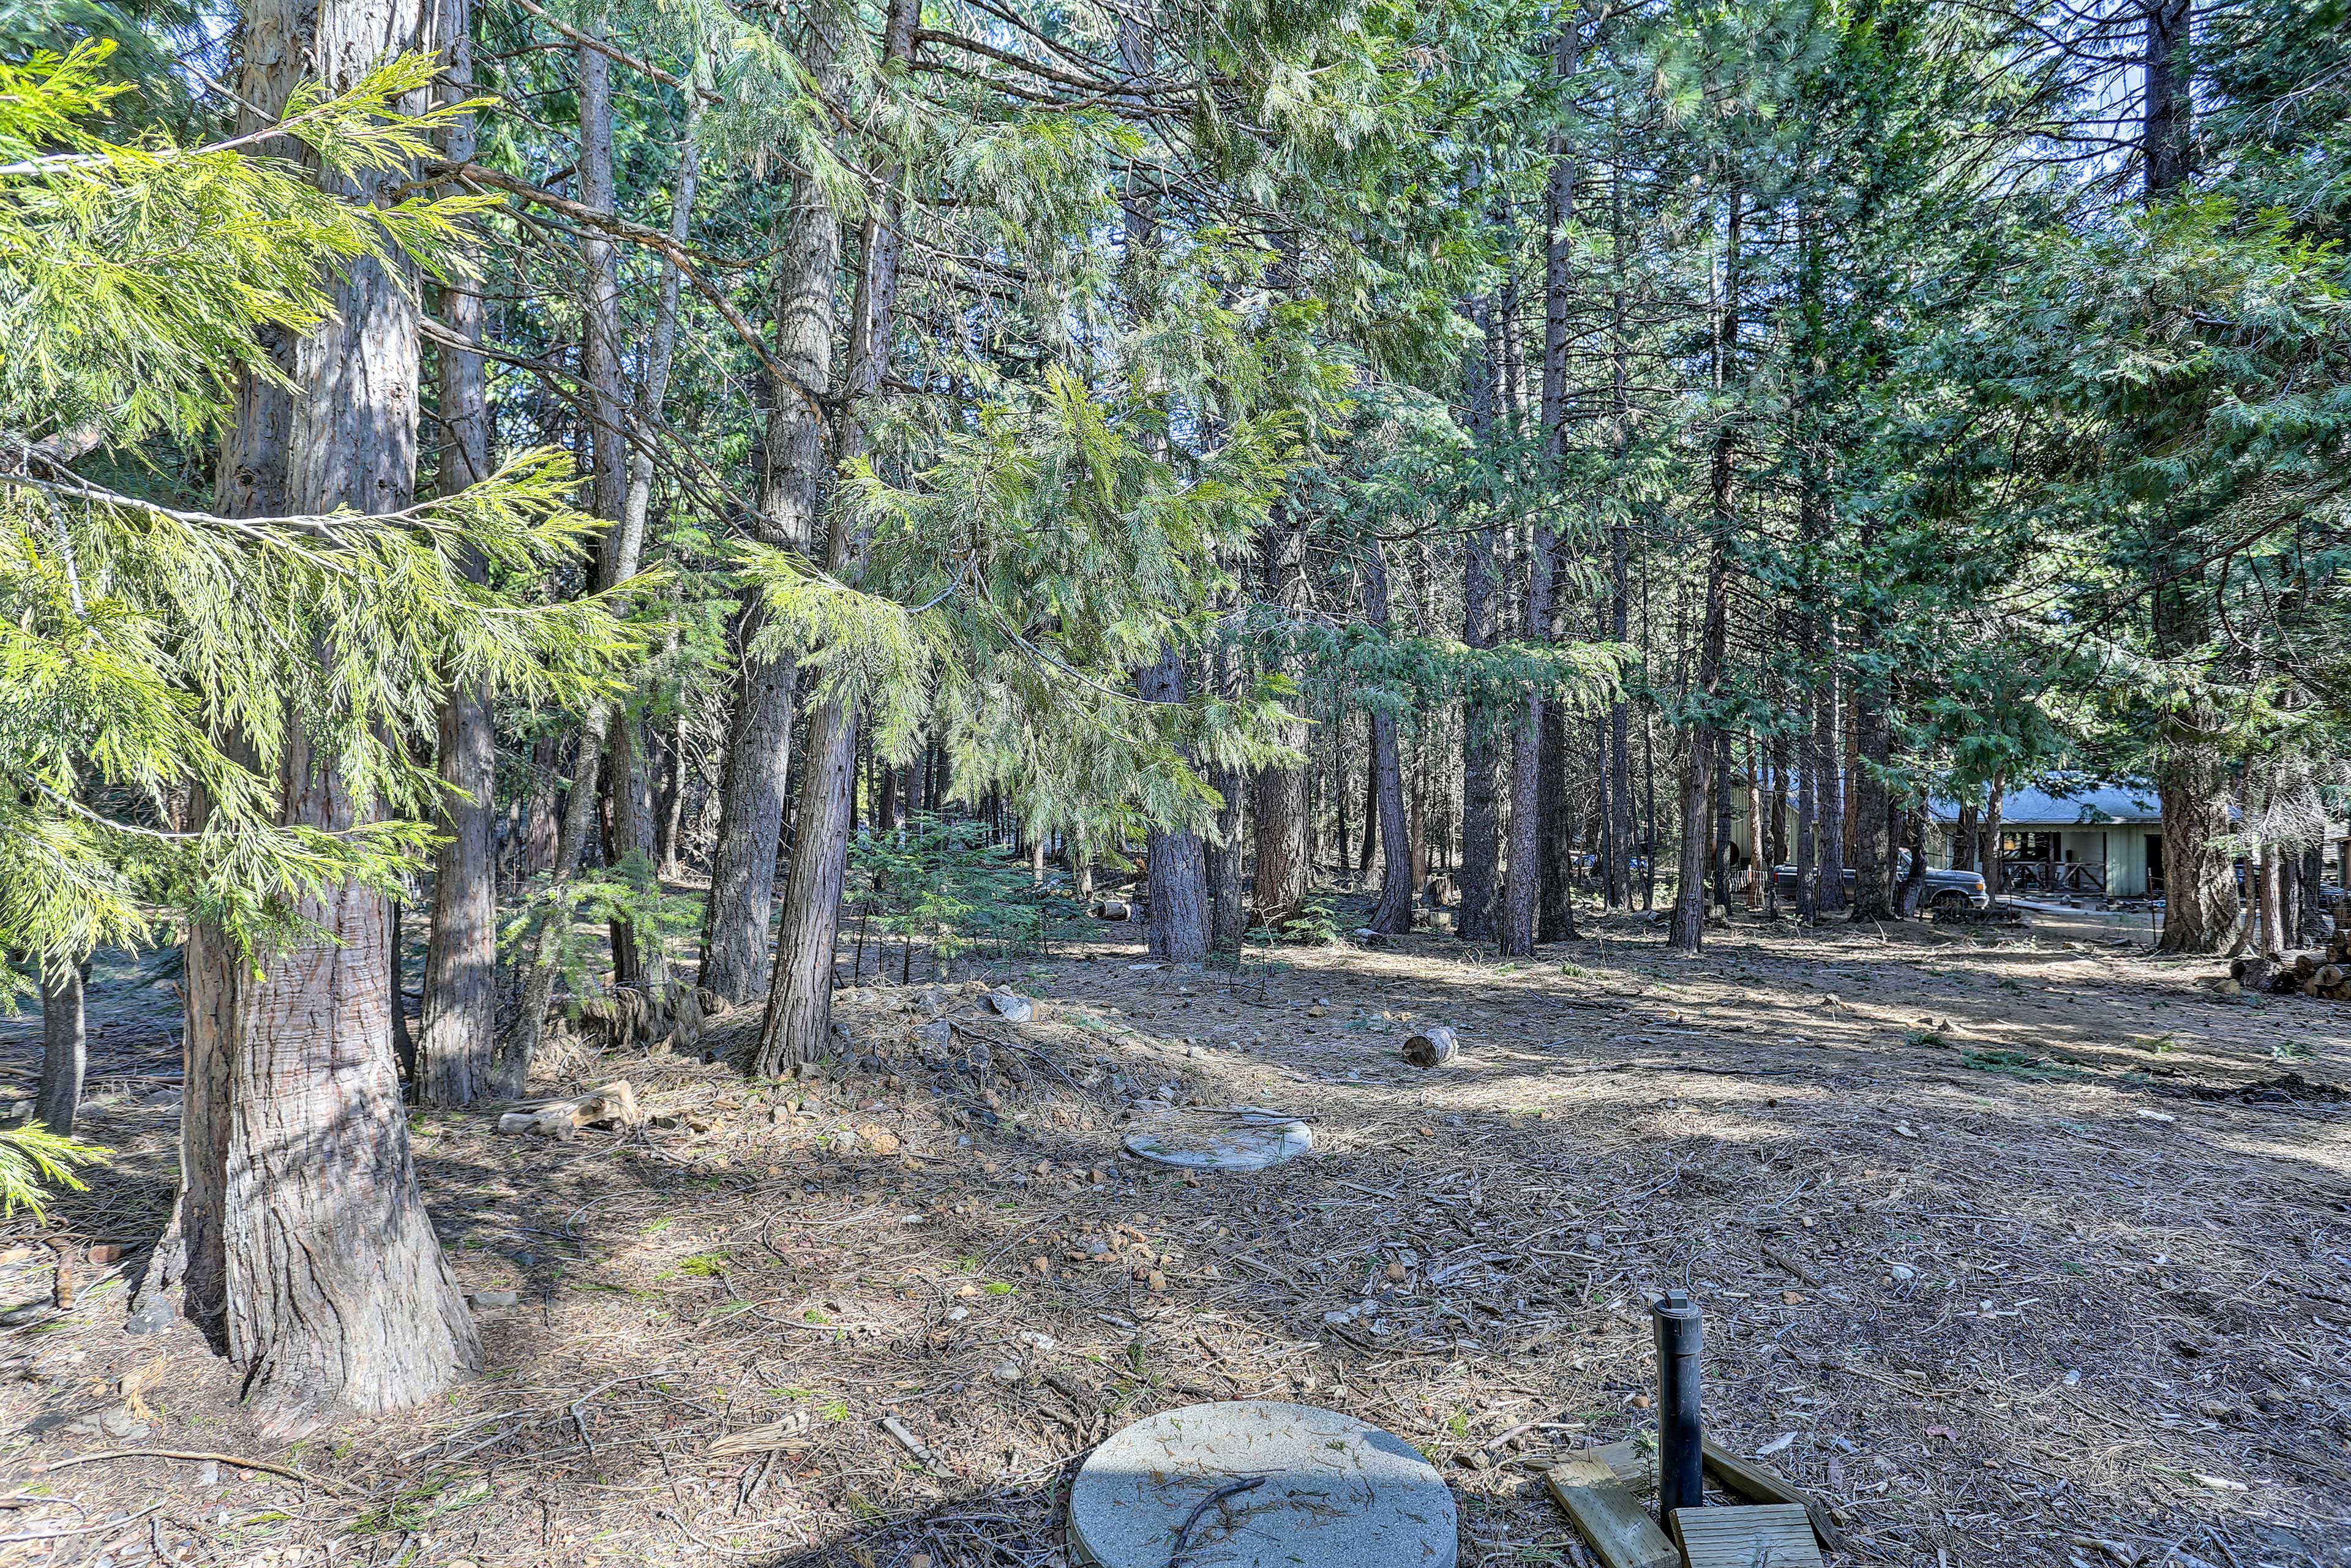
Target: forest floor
[[2020, 1249]]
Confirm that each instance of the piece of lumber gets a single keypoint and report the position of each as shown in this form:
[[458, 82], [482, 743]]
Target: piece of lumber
[[1758, 1482], [1605, 1513], [1625, 1461], [1766, 1535]]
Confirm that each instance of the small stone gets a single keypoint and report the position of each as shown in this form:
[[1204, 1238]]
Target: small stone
[[1005, 1372], [1155, 1281], [1042, 1265], [1903, 1273], [487, 1298], [1396, 1272], [1791, 1298], [1641, 1402], [1316, 1012], [879, 1139]]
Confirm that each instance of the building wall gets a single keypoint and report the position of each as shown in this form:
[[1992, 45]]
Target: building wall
[[2127, 860]]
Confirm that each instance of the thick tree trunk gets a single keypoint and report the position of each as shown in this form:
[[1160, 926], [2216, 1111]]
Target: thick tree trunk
[[2200, 909], [308, 1249], [64, 1046], [1828, 870], [1178, 867], [1873, 853], [1914, 879], [1687, 933], [1963, 839], [757, 773], [1277, 803], [750, 820], [457, 1033], [1989, 838], [1555, 911]]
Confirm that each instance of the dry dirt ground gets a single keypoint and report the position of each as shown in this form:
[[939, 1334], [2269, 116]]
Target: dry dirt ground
[[2021, 1250]]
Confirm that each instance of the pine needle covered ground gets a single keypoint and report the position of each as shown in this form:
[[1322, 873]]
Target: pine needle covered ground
[[2022, 1250]]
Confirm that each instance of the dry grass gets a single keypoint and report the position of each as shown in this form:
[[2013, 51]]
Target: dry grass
[[2059, 1307]]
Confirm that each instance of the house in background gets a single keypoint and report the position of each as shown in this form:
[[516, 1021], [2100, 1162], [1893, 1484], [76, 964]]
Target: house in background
[[2094, 840]]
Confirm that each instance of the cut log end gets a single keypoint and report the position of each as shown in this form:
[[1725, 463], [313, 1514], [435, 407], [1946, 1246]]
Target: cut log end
[[1431, 1047]]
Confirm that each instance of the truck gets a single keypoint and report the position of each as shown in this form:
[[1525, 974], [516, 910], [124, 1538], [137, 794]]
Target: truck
[[1951, 889]]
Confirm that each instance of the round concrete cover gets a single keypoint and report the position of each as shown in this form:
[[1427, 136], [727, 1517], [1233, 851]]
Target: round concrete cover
[[1336, 1493]]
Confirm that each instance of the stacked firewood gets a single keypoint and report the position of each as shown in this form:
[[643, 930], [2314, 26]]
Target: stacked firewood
[[2326, 972]]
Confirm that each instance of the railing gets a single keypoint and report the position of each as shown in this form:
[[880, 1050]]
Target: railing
[[2018, 874]]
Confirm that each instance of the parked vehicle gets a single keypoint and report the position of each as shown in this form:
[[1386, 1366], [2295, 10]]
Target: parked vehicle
[[1944, 889]]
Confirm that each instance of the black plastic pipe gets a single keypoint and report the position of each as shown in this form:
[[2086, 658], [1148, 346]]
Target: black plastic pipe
[[1681, 1453]]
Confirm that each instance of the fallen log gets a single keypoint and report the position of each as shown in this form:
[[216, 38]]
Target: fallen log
[[613, 1105], [1431, 1047]]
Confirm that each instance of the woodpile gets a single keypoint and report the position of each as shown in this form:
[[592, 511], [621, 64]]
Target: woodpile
[[2326, 972]]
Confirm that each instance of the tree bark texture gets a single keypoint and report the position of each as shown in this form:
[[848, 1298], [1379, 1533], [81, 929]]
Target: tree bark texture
[[1176, 865], [1481, 805], [1873, 853], [799, 1018], [310, 1251], [1278, 800], [64, 1045], [759, 750], [457, 1032]]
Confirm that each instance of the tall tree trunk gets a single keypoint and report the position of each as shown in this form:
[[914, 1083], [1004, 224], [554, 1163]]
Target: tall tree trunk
[[1873, 853], [1704, 769], [1522, 893], [1228, 904], [759, 750], [1176, 865], [1992, 862], [611, 726], [2191, 779], [638, 957], [456, 1038], [1555, 911], [1914, 877], [64, 1045], [313, 1253], [1828, 753], [1392, 916], [1278, 796], [799, 1018], [1481, 840]]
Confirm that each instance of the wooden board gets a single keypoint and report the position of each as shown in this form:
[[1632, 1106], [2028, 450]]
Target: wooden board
[[1765, 1535], [1610, 1519], [1758, 1482], [1631, 1466]]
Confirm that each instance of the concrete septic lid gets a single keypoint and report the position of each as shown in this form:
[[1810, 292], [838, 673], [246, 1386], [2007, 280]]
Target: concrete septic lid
[[1335, 1493], [1260, 1138]]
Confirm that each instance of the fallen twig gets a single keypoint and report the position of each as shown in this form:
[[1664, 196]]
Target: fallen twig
[[81, 1528], [198, 1457], [1183, 1535]]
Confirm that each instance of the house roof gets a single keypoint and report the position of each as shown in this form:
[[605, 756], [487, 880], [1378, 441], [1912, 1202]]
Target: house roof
[[2068, 802]]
